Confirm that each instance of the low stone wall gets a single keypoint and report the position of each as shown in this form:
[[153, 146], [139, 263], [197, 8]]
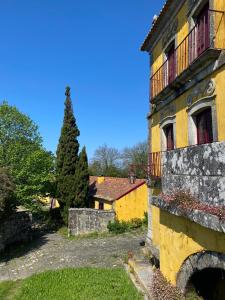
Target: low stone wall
[[199, 169], [17, 228], [86, 220]]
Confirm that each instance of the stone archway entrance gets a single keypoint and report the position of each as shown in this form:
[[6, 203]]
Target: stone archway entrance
[[205, 271]]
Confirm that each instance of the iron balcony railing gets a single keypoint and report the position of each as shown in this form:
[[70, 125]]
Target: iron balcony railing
[[194, 44], [151, 170], [155, 166]]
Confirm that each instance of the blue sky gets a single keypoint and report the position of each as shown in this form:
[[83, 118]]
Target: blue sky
[[93, 46]]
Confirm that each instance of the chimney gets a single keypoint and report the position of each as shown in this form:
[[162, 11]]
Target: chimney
[[100, 179]]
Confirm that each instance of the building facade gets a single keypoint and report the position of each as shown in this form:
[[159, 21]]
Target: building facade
[[128, 200], [187, 141]]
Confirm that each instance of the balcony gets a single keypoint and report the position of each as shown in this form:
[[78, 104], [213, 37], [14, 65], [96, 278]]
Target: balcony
[[194, 51], [155, 166]]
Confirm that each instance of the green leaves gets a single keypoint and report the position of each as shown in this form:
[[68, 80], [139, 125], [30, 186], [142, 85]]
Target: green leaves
[[21, 151], [82, 181], [71, 169], [7, 197]]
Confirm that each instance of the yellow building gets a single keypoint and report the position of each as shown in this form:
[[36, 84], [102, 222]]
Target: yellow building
[[128, 200], [187, 134]]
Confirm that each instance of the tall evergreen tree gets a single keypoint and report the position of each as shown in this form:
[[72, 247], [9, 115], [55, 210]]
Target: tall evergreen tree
[[67, 158], [82, 180]]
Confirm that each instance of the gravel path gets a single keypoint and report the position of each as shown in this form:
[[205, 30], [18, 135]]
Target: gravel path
[[53, 251]]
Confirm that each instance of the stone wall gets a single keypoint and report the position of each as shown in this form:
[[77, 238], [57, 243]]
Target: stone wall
[[16, 228], [199, 169], [86, 220]]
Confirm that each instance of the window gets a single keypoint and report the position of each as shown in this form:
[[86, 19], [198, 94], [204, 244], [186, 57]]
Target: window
[[101, 206], [202, 23], [170, 54], [204, 127], [169, 137], [202, 121], [168, 132]]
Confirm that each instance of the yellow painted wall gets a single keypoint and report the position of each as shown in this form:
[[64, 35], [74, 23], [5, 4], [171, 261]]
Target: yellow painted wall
[[219, 20], [180, 238], [157, 57], [219, 77], [182, 31], [132, 205], [177, 237], [107, 205]]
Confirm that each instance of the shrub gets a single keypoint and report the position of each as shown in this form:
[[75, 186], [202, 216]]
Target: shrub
[[122, 226], [135, 223], [163, 290], [118, 227], [7, 196], [145, 220]]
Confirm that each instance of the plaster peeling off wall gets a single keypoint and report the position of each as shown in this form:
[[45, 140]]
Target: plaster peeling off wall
[[198, 169]]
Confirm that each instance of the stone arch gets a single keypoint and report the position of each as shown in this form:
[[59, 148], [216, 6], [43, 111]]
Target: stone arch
[[198, 262]]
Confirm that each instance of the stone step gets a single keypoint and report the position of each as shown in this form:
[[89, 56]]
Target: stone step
[[140, 267]]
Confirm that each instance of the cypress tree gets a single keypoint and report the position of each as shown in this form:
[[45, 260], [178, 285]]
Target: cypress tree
[[67, 158], [82, 181]]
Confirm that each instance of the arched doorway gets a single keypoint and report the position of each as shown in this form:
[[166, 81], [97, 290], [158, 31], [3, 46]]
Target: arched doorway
[[205, 272]]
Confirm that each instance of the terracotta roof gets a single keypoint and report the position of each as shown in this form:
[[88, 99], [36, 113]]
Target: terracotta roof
[[155, 25], [112, 188]]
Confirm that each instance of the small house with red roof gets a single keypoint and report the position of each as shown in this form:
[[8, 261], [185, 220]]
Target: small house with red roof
[[128, 199]]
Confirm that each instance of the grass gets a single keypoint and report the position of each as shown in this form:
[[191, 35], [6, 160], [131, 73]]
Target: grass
[[72, 284], [63, 231]]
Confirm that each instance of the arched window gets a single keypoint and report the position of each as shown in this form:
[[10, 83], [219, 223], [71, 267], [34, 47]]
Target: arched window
[[202, 122], [204, 126], [169, 137], [168, 133]]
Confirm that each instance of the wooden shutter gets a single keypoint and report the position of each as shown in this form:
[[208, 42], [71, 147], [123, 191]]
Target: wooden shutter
[[203, 30], [169, 137], [204, 127], [171, 64]]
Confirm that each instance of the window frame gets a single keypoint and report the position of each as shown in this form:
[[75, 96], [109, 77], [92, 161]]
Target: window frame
[[168, 121], [196, 108]]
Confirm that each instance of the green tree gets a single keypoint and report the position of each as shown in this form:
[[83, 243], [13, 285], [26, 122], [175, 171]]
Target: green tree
[[66, 160], [82, 181], [7, 194], [21, 151]]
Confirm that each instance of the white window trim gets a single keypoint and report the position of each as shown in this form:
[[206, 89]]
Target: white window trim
[[193, 110], [170, 120]]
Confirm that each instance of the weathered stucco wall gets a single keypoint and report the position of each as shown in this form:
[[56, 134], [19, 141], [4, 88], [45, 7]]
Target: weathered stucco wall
[[16, 228], [180, 238], [132, 205], [86, 220], [107, 204], [199, 169]]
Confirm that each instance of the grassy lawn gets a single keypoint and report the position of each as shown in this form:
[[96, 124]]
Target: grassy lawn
[[72, 284]]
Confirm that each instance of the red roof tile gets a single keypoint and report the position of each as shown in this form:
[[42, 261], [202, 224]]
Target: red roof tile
[[112, 188]]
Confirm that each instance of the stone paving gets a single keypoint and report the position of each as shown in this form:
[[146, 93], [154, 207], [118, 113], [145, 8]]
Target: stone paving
[[53, 251]]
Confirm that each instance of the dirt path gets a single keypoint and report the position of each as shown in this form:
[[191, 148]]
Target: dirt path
[[52, 251]]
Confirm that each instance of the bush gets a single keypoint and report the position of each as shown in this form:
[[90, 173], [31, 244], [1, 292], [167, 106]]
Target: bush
[[122, 226], [7, 196], [145, 220], [135, 223], [118, 227]]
